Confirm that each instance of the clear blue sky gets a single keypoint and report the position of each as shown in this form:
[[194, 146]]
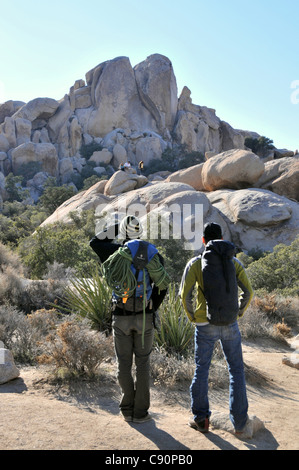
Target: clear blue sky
[[239, 57]]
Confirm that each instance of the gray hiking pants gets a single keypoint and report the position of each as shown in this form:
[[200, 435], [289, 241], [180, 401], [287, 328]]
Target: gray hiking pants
[[127, 333]]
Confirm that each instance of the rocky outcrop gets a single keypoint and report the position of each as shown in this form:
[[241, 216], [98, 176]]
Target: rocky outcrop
[[257, 218], [252, 218], [158, 91], [123, 181], [192, 176], [282, 177], [43, 154], [232, 169], [115, 99], [39, 108], [9, 108], [8, 369], [133, 113]]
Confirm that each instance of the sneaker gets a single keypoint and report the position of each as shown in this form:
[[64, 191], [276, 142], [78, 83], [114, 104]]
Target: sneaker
[[127, 418], [246, 432], [147, 417], [199, 425]]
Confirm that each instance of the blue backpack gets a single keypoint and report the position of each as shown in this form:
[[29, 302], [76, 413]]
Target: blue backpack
[[142, 252]]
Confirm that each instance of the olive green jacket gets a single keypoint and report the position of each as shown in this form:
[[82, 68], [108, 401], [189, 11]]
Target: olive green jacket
[[192, 279]]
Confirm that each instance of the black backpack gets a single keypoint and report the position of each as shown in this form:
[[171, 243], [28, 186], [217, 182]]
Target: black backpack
[[220, 282]]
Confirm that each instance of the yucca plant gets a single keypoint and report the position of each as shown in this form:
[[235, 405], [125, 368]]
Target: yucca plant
[[89, 297], [175, 332]]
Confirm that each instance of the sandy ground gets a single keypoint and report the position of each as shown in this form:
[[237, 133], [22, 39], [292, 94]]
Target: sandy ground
[[37, 415]]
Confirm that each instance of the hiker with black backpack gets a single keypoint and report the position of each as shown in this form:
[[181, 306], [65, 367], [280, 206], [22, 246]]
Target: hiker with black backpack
[[134, 270], [216, 274]]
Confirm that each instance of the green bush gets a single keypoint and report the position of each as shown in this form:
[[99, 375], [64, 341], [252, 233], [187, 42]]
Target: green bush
[[54, 195], [259, 146], [56, 242], [173, 160], [191, 159], [277, 271], [87, 150]]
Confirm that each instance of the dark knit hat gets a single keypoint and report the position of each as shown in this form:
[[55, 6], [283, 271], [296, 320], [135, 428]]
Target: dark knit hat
[[212, 231]]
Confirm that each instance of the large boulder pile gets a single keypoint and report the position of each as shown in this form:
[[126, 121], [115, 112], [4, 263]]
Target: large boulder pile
[[130, 113], [127, 113]]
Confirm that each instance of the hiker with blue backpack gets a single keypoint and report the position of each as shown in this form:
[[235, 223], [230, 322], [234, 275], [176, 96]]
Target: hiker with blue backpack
[[216, 274], [134, 270]]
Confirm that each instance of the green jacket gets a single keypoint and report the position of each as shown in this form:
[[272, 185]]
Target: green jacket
[[192, 278]]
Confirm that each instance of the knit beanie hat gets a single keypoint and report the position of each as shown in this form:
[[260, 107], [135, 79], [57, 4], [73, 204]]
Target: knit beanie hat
[[130, 228]]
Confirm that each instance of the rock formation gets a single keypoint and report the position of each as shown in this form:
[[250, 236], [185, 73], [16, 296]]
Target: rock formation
[[133, 114], [8, 369]]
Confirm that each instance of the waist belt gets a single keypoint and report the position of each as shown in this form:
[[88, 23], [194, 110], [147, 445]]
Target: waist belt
[[124, 312]]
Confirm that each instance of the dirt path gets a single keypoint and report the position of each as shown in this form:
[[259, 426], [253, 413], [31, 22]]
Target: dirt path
[[37, 416]]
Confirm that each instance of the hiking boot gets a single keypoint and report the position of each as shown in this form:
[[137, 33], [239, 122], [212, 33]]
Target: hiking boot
[[199, 425], [147, 417]]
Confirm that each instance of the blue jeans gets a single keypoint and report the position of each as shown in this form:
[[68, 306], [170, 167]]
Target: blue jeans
[[230, 339]]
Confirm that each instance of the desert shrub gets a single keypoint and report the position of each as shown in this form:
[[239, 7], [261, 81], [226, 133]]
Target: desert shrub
[[58, 271], [19, 220], [22, 334], [14, 189], [87, 150], [9, 258], [57, 242], [11, 286], [175, 332], [28, 170], [277, 271], [259, 146], [11, 276], [39, 294], [190, 159], [54, 195], [75, 349], [25, 294], [89, 297], [167, 370], [251, 256], [271, 316]]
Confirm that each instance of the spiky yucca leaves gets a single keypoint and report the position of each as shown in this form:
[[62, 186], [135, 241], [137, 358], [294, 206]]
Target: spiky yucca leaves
[[175, 332], [90, 297]]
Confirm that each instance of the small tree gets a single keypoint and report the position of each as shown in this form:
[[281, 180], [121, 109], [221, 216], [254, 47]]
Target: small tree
[[259, 146], [14, 189], [54, 195]]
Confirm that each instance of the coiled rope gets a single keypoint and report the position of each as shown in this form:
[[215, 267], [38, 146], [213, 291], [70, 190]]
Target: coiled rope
[[119, 276]]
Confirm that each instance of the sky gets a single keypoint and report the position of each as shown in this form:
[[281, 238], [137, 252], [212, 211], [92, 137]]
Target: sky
[[238, 57]]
